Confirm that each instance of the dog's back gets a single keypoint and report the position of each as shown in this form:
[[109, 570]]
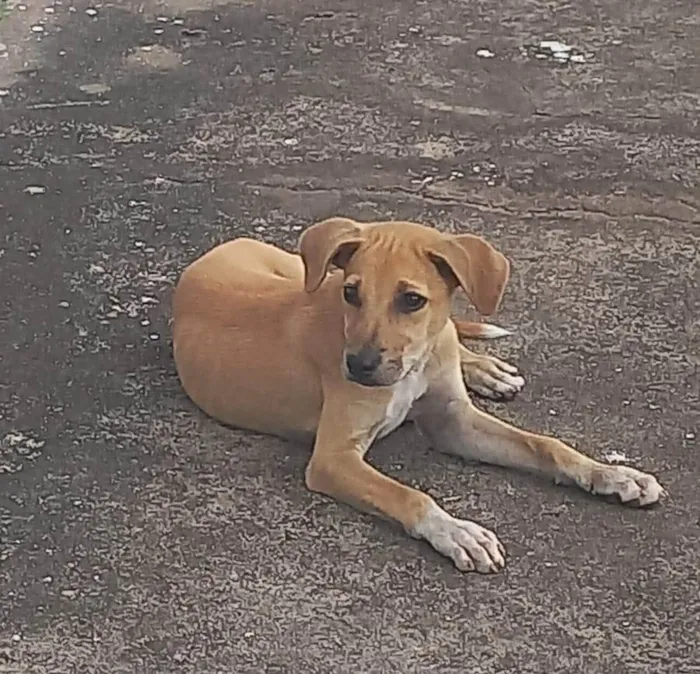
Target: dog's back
[[238, 338]]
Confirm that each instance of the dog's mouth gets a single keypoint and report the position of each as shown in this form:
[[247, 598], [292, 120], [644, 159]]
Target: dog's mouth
[[389, 373], [378, 379], [368, 382]]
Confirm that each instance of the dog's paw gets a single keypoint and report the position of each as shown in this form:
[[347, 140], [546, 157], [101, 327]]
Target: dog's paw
[[466, 543], [491, 377], [631, 486]]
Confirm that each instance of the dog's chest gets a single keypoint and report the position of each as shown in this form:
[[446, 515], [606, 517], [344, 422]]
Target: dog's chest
[[405, 393]]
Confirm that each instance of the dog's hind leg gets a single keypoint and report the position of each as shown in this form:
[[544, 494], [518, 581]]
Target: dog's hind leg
[[485, 375], [488, 376]]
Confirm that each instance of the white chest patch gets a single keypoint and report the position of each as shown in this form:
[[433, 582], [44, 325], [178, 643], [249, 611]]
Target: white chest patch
[[405, 393]]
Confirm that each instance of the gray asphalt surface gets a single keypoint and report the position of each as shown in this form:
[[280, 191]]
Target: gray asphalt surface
[[136, 535]]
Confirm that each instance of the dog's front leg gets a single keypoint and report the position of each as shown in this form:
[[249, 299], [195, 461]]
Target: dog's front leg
[[337, 468], [455, 426]]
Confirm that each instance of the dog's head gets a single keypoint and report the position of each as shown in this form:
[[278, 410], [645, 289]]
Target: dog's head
[[399, 281]]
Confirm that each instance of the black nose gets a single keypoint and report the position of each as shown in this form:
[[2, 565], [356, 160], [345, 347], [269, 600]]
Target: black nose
[[363, 363]]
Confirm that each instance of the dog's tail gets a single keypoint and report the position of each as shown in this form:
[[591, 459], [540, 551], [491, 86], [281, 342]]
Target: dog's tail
[[471, 330]]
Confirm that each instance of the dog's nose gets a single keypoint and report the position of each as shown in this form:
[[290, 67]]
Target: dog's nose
[[363, 363]]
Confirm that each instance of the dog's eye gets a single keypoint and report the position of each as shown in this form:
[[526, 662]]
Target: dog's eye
[[351, 294], [410, 302]]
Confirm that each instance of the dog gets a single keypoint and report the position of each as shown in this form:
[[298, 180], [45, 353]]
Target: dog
[[340, 344]]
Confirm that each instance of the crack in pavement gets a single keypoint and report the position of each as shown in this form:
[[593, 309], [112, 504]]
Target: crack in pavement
[[593, 113], [160, 179], [54, 105], [421, 194]]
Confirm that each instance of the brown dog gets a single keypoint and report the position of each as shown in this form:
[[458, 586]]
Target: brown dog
[[342, 342]]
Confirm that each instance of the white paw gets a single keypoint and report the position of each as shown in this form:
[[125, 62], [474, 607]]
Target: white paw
[[492, 378], [632, 486], [466, 543]]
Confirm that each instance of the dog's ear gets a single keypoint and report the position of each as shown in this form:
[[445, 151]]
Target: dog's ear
[[469, 261], [329, 242]]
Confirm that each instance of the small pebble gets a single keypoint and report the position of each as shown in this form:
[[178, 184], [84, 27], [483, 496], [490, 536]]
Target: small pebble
[[690, 435], [615, 457], [91, 11], [16, 638], [64, 304], [485, 53], [35, 189], [94, 88], [154, 336], [37, 29], [554, 46]]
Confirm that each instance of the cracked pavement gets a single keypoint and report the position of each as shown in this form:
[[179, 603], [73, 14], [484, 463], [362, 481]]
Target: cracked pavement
[[136, 535]]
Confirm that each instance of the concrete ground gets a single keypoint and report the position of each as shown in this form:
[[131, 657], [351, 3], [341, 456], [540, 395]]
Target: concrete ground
[[136, 535]]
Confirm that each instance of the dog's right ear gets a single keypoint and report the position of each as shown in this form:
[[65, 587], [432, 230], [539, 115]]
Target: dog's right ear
[[329, 242]]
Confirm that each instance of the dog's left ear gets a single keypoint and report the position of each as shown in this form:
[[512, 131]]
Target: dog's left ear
[[332, 241], [474, 264]]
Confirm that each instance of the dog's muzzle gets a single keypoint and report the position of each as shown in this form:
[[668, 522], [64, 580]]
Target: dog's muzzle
[[361, 367]]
